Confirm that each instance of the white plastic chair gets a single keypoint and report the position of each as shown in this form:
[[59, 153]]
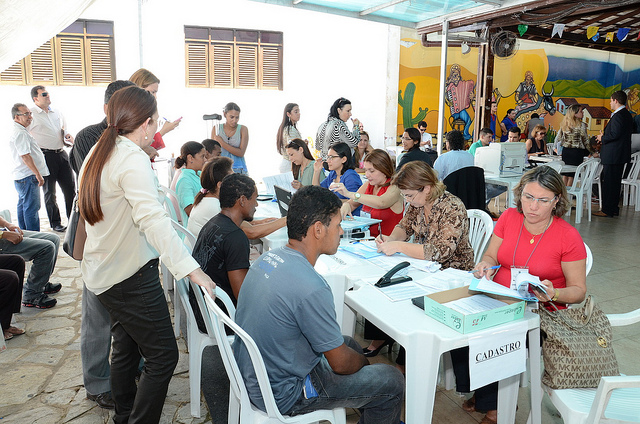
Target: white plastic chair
[[631, 184], [550, 149], [480, 230], [596, 180], [241, 410], [581, 187], [615, 400], [171, 204], [189, 241], [197, 340]]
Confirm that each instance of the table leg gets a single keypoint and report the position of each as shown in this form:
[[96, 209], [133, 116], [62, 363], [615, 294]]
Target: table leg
[[536, 376], [421, 379], [508, 399]]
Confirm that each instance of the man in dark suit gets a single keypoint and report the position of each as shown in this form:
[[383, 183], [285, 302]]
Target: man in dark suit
[[615, 152]]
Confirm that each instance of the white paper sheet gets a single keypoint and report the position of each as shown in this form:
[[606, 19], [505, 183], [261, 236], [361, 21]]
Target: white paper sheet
[[474, 304], [404, 291], [282, 180]]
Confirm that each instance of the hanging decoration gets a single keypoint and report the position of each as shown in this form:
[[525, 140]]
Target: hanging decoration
[[522, 29], [622, 33], [592, 32], [609, 38], [557, 29], [596, 37]]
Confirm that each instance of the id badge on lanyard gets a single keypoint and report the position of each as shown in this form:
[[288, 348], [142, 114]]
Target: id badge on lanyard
[[515, 271]]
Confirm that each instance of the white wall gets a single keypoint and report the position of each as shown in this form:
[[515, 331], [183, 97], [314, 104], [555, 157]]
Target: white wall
[[325, 57]]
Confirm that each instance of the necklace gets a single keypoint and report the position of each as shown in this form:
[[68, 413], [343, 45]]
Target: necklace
[[531, 242], [533, 236]]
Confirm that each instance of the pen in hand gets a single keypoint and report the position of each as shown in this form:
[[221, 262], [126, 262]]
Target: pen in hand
[[491, 267]]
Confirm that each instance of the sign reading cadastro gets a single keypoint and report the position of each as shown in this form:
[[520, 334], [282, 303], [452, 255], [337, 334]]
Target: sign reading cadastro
[[496, 355]]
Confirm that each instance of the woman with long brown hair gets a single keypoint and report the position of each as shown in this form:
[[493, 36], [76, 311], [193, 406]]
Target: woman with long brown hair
[[127, 227], [301, 163], [287, 131]]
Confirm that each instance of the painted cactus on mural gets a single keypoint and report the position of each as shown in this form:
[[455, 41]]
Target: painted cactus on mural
[[406, 104]]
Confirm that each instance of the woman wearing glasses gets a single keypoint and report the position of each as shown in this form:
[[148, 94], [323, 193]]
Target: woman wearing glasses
[[574, 140], [411, 139], [532, 237], [537, 145], [341, 167], [334, 130]]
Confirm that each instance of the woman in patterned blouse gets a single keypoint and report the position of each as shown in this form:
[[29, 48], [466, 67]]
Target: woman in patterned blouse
[[334, 130], [437, 220]]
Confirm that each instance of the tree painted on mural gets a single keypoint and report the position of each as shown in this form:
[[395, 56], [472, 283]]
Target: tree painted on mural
[[406, 103]]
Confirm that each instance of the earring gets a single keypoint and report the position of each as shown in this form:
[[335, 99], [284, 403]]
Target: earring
[[146, 135]]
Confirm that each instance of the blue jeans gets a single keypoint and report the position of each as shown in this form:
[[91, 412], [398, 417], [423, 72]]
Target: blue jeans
[[42, 249], [28, 203], [377, 390], [141, 327]]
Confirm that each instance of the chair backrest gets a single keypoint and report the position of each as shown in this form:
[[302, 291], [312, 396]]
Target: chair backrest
[[171, 203], [186, 235], [468, 184], [556, 165], [6, 214], [585, 174], [550, 148], [480, 230], [220, 320], [634, 172], [589, 258]]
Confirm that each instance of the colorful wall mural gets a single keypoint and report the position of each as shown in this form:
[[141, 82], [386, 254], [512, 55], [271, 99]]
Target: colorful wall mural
[[540, 78]]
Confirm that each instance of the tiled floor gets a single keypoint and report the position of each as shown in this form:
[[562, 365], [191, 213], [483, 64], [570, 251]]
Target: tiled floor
[[41, 375]]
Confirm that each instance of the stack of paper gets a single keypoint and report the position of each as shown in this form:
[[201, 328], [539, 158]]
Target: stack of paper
[[474, 304]]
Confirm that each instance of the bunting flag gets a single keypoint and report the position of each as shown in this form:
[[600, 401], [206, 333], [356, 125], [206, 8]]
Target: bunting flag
[[638, 38], [522, 29], [609, 37], [622, 33], [592, 31], [557, 29]]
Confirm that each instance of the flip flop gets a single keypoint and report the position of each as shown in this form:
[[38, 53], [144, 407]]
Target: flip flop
[[15, 331], [7, 336]]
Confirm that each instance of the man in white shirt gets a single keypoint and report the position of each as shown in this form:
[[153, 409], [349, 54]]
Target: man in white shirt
[[427, 140], [49, 130], [29, 168]]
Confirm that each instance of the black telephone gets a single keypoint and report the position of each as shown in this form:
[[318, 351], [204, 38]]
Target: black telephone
[[386, 279]]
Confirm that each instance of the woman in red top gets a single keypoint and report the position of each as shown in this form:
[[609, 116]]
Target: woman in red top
[[379, 199], [532, 236]]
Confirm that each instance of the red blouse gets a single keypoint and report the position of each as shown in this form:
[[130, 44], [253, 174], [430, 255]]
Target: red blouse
[[389, 218]]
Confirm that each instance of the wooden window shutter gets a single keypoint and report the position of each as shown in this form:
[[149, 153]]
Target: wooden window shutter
[[222, 64], [71, 60], [14, 74], [197, 61], [246, 65], [101, 67], [41, 64], [270, 67]]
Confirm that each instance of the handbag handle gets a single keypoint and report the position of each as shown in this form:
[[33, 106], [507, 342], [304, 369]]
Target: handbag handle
[[587, 313]]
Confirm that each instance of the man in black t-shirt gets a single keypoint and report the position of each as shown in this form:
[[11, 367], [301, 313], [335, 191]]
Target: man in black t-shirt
[[222, 248]]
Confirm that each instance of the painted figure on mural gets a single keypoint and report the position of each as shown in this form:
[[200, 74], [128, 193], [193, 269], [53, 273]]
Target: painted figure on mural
[[526, 93], [459, 97]]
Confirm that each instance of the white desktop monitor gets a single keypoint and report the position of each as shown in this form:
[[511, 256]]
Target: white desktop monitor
[[502, 159]]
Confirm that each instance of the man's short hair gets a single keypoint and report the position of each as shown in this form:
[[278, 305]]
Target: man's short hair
[[422, 124], [309, 205], [515, 130], [486, 131], [235, 186], [619, 96], [15, 110], [210, 144], [34, 90], [113, 87], [455, 140]]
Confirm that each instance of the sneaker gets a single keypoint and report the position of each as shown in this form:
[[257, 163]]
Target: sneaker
[[52, 288], [41, 302]]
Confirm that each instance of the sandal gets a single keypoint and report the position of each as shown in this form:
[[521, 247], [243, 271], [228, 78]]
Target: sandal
[[469, 405], [15, 331], [487, 420], [7, 336]]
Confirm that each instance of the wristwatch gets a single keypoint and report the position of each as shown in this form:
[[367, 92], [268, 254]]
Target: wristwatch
[[357, 196]]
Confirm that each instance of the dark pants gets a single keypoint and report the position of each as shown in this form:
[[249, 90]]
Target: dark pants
[[141, 327], [487, 396], [60, 173], [611, 185], [11, 279]]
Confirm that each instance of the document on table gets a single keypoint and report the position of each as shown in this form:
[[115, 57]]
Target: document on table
[[474, 304], [388, 262], [523, 280], [363, 249], [405, 291], [446, 279], [282, 180]]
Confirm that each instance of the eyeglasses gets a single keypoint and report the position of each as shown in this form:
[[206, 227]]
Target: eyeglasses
[[330, 157], [406, 138], [543, 201], [24, 114], [411, 196], [542, 133], [44, 94]]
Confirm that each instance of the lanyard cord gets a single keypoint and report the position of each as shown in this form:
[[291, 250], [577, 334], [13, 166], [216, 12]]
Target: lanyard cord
[[534, 247]]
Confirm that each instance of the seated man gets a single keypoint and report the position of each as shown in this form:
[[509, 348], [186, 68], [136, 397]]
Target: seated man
[[42, 249], [222, 248], [456, 158], [288, 309], [486, 137]]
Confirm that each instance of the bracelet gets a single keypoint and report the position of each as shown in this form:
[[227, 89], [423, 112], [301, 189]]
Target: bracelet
[[556, 294]]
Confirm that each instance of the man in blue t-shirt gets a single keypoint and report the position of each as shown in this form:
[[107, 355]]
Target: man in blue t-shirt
[[288, 309]]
